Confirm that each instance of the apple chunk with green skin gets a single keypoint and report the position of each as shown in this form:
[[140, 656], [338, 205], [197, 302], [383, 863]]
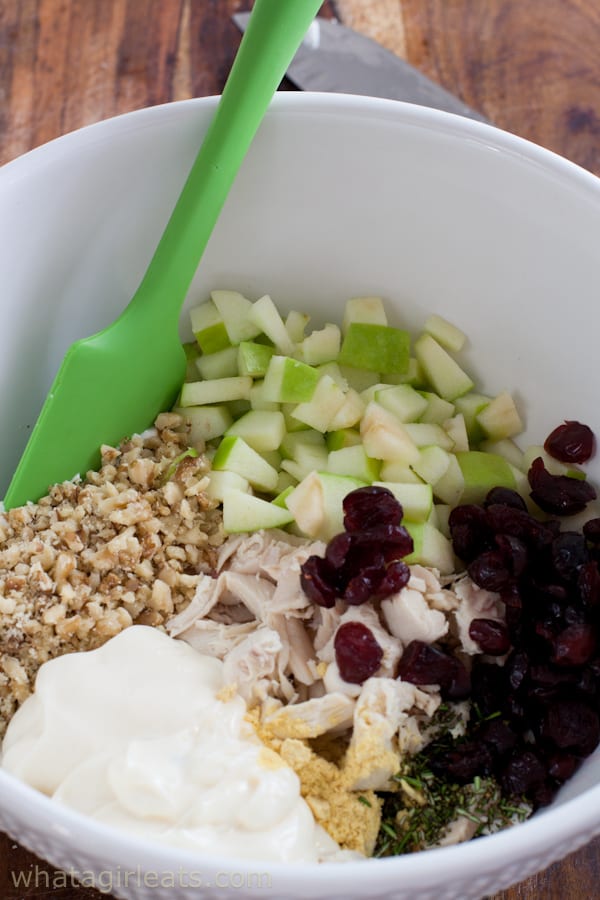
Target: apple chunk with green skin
[[416, 500], [316, 503], [206, 422], [431, 548], [483, 471], [235, 455], [253, 359], [263, 429], [243, 512], [219, 390], [442, 371], [377, 348], [234, 308], [209, 328], [288, 380], [384, 437]]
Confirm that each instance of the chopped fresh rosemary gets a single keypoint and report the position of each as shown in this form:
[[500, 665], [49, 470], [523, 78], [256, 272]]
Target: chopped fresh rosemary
[[421, 811], [364, 801]]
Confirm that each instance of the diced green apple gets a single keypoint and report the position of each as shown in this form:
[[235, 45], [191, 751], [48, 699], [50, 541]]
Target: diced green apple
[[377, 348], [316, 503], [333, 370], [222, 364], [445, 333], [416, 499], [425, 434], [307, 458], [506, 448], [438, 410], [413, 375], [192, 352], [209, 328], [265, 315], [257, 398], [500, 418], [218, 390], [442, 371], [431, 548], [402, 400], [350, 412], [206, 422], [294, 440], [364, 309], [320, 346], [295, 324], [319, 411], [264, 430], [470, 406], [483, 471], [355, 462], [401, 472], [359, 379], [456, 430], [432, 464], [235, 455], [450, 487], [253, 359], [243, 512], [288, 380], [370, 393], [234, 308], [281, 498], [384, 437], [343, 437], [220, 482]]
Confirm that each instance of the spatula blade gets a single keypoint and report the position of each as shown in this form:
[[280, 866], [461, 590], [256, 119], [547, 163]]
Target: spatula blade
[[66, 438]]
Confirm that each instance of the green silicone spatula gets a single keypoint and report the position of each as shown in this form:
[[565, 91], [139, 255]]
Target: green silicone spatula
[[115, 383]]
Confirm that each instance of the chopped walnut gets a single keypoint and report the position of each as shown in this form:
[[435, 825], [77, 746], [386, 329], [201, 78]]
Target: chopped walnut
[[95, 556]]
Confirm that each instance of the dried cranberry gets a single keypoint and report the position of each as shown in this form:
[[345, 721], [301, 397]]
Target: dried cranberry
[[510, 520], [469, 531], [464, 762], [591, 530], [338, 549], [499, 736], [517, 669], [396, 577], [491, 635], [388, 538], [489, 571], [574, 646], [588, 583], [562, 765], [505, 496], [423, 663], [361, 587], [369, 506], [514, 553], [523, 772], [571, 442], [571, 724], [357, 652], [558, 495], [317, 578], [569, 553]]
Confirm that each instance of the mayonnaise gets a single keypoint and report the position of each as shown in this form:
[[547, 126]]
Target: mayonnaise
[[140, 734]]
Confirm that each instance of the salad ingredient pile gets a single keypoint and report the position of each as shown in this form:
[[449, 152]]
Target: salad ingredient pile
[[368, 570]]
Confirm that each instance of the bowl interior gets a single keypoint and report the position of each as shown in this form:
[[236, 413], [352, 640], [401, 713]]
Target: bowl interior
[[338, 197]]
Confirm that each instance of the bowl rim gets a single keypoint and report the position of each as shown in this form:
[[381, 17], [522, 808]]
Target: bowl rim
[[548, 828]]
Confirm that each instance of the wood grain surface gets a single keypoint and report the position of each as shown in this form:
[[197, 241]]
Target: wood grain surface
[[531, 67]]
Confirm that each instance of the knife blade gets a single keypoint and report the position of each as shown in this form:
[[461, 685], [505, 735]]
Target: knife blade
[[335, 58]]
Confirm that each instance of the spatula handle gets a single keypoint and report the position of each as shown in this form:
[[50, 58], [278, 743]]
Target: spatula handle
[[275, 31]]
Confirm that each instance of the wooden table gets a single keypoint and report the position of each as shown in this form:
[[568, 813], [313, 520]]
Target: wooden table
[[532, 67]]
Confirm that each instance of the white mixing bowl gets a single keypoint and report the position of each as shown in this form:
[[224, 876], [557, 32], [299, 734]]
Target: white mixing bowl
[[340, 196]]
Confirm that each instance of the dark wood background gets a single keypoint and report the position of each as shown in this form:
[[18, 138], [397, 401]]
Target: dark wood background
[[531, 66]]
